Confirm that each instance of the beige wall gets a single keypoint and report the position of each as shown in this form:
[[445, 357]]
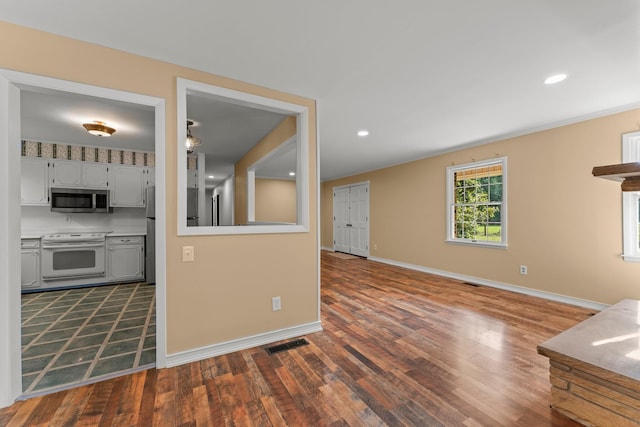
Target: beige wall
[[278, 135], [226, 293], [275, 200], [564, 224]]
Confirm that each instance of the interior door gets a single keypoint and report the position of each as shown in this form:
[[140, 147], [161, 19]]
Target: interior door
[[351, 219], [359, 217], [341, 234]]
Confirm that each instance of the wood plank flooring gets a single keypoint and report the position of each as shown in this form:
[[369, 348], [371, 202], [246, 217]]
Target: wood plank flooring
[[399, 347]]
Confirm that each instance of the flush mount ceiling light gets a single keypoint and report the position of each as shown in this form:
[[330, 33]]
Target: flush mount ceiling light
[[363, 132], [99, 128], [192, 142], [556, 78], [292, 174]]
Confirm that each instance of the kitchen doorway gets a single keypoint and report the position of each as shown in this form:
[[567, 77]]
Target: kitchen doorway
[[11, 85]]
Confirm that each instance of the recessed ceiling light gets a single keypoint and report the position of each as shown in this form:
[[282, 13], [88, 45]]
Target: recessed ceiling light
[[210, 177], [292, 174], [363, 132], [556, 78]]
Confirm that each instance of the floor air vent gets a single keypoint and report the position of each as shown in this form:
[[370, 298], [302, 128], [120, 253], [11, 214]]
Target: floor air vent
[[287, 346], [475, 285]]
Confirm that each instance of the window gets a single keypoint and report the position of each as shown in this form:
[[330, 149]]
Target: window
[[631, 202], [476, 203]]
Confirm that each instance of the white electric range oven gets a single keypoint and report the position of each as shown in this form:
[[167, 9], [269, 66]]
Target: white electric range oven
[[72, 256]]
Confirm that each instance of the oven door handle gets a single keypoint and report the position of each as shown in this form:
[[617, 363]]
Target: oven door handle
[[73, 246], [72, 276]]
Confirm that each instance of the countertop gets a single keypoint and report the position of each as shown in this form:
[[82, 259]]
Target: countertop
[[608, 340], [37, 234]]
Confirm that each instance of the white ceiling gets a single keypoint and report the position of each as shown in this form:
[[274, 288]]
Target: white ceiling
[[227, 130], [55, 116], [423, 76]]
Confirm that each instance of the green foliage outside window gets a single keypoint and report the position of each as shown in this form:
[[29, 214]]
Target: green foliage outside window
[[478, 206]]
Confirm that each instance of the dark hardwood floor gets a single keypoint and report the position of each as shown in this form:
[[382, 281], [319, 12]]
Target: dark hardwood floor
[[399, 347]]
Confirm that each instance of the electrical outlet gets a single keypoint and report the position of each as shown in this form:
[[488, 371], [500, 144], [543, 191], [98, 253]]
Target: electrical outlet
[[276, 304], [375, 246], [188, 254], [67, 218], [523, 269]]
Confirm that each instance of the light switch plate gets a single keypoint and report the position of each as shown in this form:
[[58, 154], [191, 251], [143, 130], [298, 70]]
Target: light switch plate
[[276, 304], [188, 254]]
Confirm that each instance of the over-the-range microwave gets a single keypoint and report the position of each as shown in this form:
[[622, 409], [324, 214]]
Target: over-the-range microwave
[[79, 200]]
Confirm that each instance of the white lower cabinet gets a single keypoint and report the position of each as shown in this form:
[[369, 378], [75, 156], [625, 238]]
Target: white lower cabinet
[[30, 264], [125, 258]]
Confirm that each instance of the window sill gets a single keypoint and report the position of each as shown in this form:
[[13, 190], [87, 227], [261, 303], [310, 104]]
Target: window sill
[[631, 258], [481, 244]]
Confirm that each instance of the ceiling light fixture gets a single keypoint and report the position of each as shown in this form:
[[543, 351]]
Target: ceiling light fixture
[[556, 78], [99, 128], [192, 142], [292, 174], [363, 132]]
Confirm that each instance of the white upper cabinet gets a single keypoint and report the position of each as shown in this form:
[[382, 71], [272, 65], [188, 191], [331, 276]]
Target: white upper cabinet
[[95, 175], [192, 178], [66, 173], [34, 181], [151, 176], [127, 184], [74, 173]]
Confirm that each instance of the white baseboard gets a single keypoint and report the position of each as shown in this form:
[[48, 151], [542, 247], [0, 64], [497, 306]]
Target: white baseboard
[[214, 350], [326, 248], [506, 286]]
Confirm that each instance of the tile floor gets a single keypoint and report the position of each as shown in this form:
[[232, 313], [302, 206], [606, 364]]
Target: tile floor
[[78, 336]]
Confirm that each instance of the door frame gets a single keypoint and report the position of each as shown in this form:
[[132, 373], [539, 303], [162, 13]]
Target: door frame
[[333, 230], [11, 83]]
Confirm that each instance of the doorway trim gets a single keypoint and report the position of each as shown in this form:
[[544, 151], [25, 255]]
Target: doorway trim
[[355, 184], [10, 168]]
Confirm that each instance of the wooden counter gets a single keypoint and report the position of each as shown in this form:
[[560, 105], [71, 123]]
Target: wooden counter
[[594, 368]]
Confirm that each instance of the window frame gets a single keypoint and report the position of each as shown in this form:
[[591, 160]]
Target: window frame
[[450, 189], [630, 200]]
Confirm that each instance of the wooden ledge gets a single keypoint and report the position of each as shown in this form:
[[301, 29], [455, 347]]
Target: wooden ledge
[[595, 367], [627, 173]]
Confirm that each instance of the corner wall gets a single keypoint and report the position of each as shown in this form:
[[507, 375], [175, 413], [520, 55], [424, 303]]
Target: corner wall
[[563, 224], [226, 293], [286, 129], [276, 200]]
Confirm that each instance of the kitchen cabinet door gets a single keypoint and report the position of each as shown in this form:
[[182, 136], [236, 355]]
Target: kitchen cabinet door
[[125, 258], [128, 185], [95, 175], [66, 173], [30, 264], [192, 178], [34, 181], [151, 176]]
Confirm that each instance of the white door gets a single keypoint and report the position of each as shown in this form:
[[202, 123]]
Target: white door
[[341, 239], [351, 219], [359, 219]]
